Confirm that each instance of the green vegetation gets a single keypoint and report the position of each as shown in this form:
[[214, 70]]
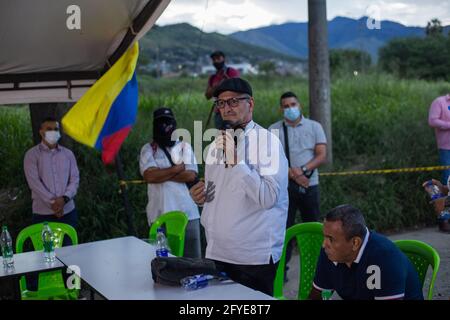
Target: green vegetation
[[378, 122], [348, 61], [423, 58]]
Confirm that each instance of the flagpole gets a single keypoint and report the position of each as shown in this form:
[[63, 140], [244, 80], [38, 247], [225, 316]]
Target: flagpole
[[126, 201]]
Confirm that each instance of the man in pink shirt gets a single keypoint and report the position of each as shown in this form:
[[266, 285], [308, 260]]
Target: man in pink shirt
[[52, 175], [439, 119]]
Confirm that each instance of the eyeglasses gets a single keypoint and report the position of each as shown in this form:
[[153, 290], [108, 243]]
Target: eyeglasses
[[233, 102]]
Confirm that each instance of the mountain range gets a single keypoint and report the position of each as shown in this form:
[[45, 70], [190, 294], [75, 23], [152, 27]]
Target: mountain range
[[186, 45], [343, 33]]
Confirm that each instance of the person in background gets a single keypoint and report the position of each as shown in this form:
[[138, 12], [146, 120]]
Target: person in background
[[223, 72], [52, 174], [169, 166], [305, 144], [360, 264], [439, 119]]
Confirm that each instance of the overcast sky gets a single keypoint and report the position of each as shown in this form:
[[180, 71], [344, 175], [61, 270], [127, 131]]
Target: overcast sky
[[227, 16]]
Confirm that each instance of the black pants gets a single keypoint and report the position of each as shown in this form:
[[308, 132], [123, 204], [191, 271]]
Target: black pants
[[70, 218], [257, 277], [307, 201]]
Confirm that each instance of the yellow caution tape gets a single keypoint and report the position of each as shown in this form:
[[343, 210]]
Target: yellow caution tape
[[127, 182], [345, 173], [384, 171]]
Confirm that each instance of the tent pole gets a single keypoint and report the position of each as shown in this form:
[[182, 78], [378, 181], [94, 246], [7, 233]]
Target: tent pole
[[126, 200]]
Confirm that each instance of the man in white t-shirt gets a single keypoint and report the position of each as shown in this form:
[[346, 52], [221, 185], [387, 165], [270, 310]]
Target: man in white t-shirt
[[169, 167]]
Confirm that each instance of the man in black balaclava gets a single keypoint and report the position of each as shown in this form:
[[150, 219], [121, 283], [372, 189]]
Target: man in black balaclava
[[164, 124], [169, 168]]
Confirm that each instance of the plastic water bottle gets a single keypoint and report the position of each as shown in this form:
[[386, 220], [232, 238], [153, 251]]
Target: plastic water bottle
[[196, 282], [162, 248], [49, 247], [433, 191], [7, 249], [201, 280], [326, 294]]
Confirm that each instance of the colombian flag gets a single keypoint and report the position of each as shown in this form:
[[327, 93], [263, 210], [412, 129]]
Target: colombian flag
[[104, 115]]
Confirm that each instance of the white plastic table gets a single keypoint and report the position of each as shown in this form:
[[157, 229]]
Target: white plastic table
[[119, 269], [25, 264]]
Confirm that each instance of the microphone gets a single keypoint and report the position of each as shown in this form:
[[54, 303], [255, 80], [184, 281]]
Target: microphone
[[225, 126]]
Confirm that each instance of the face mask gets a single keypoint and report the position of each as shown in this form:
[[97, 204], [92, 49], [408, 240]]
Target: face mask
[[52, 137], [162, 132], [292, 113], [219, 65]]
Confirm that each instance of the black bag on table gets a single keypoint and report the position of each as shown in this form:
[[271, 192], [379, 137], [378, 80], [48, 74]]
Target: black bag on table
[[170, 270]]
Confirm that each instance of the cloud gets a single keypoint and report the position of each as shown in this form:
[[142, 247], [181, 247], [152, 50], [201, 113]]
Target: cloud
[[226, 16]]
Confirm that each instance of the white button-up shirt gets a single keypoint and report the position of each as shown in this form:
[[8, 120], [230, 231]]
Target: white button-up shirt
[[245, 223], [169, 195]]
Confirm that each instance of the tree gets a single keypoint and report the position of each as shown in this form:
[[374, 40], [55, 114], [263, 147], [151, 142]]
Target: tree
[[434, 27], [267, 67], [423, 58], [349, 60]]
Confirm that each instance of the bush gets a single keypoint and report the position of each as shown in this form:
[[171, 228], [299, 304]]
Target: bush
[[422, 58]]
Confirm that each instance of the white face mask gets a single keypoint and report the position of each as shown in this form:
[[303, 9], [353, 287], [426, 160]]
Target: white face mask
[[52, 137]]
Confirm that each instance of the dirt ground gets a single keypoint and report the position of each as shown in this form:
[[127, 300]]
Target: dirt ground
[[439, 240]]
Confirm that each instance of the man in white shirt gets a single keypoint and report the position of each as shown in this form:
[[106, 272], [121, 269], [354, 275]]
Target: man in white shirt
[[169, 167], [245, 199]]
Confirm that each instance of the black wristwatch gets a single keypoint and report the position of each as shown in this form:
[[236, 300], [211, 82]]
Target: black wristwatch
[[304, 169], [66, 199]]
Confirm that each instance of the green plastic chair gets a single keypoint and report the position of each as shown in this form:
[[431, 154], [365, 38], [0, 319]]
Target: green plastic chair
[[422, 256], [309, 236], [175, 223], [50, 284]]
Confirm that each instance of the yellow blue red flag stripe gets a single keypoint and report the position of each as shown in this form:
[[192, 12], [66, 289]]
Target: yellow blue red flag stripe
[[104, 115]]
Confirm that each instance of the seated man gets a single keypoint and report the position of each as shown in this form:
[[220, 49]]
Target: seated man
[[362, 265]]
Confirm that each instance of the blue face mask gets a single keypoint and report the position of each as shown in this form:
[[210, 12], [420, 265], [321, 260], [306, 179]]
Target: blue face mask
[[292, 113]]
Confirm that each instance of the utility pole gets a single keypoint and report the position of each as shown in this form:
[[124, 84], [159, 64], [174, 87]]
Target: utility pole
[[319, 69]]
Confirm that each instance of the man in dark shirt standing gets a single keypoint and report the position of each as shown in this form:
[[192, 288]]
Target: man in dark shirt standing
[[362, 265], [223, 72]]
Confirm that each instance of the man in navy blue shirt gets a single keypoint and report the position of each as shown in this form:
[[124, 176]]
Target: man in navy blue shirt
[[362, 265]]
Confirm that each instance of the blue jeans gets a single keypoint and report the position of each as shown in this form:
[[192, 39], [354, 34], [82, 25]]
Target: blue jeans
[[444, 158]]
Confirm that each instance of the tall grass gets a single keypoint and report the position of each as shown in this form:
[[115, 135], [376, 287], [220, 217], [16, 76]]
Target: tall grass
[[378, 122]]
